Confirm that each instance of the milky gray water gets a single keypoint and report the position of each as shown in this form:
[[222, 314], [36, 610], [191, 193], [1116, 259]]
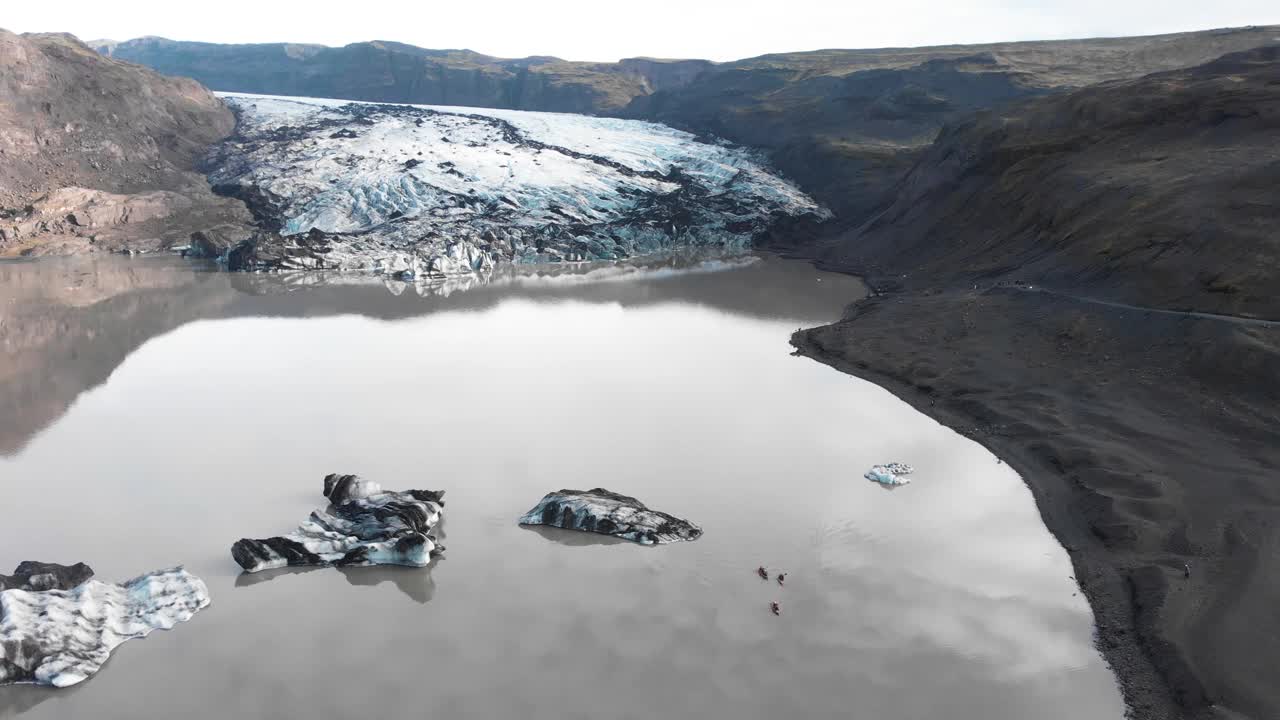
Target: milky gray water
[[154, 413]]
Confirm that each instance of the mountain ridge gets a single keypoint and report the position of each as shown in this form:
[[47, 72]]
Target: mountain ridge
[[388, 71], [845, 124]]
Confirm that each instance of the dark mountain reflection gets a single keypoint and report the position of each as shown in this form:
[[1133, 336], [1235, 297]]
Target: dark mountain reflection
[[67, 323]]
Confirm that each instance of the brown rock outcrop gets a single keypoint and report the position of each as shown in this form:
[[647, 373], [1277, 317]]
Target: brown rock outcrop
[[98, 154]]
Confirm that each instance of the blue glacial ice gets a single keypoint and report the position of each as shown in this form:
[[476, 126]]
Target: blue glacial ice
[[890, 474], [609, 513], [409, 191], [364, 525]]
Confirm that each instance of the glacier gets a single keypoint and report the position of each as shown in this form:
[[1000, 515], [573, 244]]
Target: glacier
[[366, 526], [609, 513], [60, 637], [411, 191]]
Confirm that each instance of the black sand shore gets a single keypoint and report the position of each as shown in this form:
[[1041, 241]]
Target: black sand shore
[[1152, 445]]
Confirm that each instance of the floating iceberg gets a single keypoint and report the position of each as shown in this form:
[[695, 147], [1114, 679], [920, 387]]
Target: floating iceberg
[[61, 637], [608, 513], [890, 474], [364, 525], [414, 191]]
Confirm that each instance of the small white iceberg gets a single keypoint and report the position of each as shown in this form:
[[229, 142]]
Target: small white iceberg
[[890, 474]]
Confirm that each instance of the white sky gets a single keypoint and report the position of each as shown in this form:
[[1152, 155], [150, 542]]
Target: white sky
[[604, 30]]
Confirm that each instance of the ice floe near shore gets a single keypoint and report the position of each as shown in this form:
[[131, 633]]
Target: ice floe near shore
[[412, 191], [609, 513], [60, 637], [364, 525], [890, 474]]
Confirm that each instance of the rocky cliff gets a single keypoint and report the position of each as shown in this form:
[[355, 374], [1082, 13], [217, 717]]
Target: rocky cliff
[[845, 124], [97, 154], [383, 71], [1158, 191]]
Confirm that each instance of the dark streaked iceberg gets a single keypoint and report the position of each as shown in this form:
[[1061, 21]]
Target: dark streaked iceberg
[[608, 513], [61, 637], [363, 526], [38, 576]]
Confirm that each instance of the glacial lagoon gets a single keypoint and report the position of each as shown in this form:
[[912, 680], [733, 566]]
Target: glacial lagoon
[[156, 411]]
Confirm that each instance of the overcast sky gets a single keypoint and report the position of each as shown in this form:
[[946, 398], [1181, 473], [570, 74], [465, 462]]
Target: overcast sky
[[604, 30]]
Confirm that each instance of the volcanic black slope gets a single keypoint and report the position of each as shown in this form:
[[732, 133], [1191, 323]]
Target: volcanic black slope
[[1090, 285]]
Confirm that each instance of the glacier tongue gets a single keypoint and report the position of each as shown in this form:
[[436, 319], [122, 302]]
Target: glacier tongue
[[410, 191]]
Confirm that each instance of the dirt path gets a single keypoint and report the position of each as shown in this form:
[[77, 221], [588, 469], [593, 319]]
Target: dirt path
[[1260, 322]]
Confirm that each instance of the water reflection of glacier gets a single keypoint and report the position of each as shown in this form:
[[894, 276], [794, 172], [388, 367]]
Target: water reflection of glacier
[[66, 323], [523, 276]]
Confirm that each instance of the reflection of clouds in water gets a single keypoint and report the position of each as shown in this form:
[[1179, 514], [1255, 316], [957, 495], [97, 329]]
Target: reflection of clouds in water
[[995, 548], [1013, 637], [947, 599], [956, 559], [18, 699]]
